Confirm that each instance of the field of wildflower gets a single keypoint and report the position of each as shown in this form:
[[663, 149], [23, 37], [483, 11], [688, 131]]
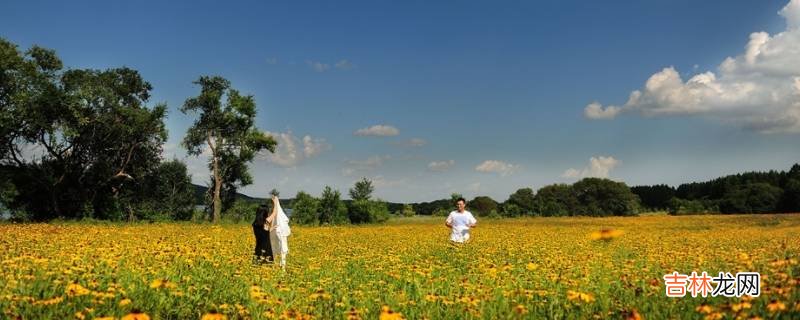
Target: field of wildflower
[[514, 268]]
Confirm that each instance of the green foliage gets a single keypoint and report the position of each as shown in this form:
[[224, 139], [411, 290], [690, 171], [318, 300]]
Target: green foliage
[[440, 212], [368, 211], [751, 198], [519, 202], [305, 209], [240, 211], [791, 196], [510, 210], [603, 197], [655, 197], [555, 200], [171, 191], [482, 205], [98, 139], [362, 190], [332, 208], [677, 206], [228, 130], [408, 211]]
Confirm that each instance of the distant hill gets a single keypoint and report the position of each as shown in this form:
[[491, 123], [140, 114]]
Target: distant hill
[[200, 192]]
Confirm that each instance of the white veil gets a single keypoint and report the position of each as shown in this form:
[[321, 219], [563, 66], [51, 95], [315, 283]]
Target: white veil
[[282, 222]]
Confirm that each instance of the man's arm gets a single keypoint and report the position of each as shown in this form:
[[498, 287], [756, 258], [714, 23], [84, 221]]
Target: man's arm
[[448, 222], [474, 221]]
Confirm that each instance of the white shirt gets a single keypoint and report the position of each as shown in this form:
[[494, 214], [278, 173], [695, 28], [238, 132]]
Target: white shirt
[[459, 225]]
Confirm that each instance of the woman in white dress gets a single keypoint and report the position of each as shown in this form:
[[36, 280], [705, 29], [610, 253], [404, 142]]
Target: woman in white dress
[[279, 231]]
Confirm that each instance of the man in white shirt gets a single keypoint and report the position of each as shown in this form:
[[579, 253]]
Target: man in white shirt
[[459, 221]]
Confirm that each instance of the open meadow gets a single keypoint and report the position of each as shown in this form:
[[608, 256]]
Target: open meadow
[[512, 268]]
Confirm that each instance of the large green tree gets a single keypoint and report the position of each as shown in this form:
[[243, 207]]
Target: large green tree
[[305, 209], [604, 197], [521, 199], [362, 190], [228, 130], [76, 142], [482, 205], [555, 200], [752, 198], [332, 208]]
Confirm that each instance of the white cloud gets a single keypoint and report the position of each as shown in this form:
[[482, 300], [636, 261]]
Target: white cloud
[[318, 66], [599, 167], [379, 130], [596, 111], [441, 165], [757, 90], [313, 147], [288, 155], [495, 166], [272, 60], [343, 64]]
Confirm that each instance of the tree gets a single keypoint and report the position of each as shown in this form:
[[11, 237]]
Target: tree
[[522, 201], [170, 190], [94, 137], [752, 198], [229, 132], [408, 211], [603, 197], [332, 208], [305, 209], [482, 205], [362, 190], [791, 196], [677, 206], [654, 197], [509, 209], [555, 200], [368, 211]]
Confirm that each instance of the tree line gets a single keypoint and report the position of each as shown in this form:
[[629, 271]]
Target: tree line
[[749, 192]]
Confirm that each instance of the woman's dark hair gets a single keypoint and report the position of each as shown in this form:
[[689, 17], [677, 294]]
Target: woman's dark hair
[[462, 200], [262, 213]]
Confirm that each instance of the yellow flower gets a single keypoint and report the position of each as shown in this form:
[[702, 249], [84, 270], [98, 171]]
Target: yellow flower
[[74, 290], [136, 315], [162, 283], [775, 306], [713, 316], [520, 309], [214, 315], [576, 296], [124, 302], [704, 308], [388, 314]]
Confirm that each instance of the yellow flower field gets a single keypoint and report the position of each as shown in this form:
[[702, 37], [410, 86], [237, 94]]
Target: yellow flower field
[[518, 268]]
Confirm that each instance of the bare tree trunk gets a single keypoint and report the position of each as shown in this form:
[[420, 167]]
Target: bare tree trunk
[[217, 181], [217, 189]]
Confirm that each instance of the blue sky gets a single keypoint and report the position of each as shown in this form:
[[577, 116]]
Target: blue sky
[[475, 97]]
